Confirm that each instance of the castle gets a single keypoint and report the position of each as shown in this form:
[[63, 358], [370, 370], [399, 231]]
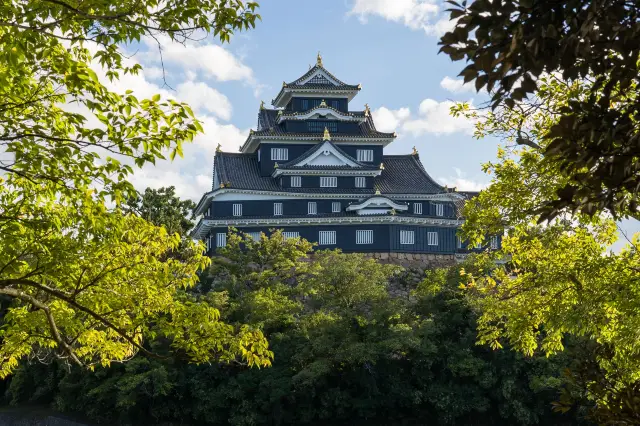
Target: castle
[[317, 170]]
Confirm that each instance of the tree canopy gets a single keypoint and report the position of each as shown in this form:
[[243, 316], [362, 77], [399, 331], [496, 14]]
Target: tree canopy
[[509, 45], [84, 279], [557, 279]]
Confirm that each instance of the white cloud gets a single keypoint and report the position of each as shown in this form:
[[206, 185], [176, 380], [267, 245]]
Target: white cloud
[[454, 85], [433, 118], [209, 60], [387, 120], [415, 14], [462, 183], [202, 97]]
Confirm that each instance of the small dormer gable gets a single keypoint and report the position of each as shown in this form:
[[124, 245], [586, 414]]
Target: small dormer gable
[[377, 204], [327, 154]]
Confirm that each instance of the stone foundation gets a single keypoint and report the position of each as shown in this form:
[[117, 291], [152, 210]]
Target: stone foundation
[[415, 260]]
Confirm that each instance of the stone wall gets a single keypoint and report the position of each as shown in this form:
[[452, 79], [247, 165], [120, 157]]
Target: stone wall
[[415, 260]]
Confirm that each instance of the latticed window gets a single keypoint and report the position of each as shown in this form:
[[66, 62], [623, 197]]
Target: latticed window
[[277, 209], [296, 181], [361, 182], [336, 207], [459, 242], [221, 240], [364, 237], [289, 235], [328, 182], [319, 79], [432, 238], [255, 236], [279, 154], [407, 237], [417, 208], [317, 126], [335, 104], [439, 209], [494, 242], [365, 155], [237, 209], [312, 207], [327, 238]]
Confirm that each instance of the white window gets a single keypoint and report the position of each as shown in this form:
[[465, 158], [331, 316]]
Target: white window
[[336, 207], [289, 235], [407, 237], [327, 238], [417, 208], [296, 181], [494, 242], [364, 237], [479, 245], [328, 182], [207, 241], [221, 239], [277, 209], [361, 182], [255, 236], [312, 207], [237, 209], [459, 242], [432, 238], [365, 155], [279, 154], [439, 209]]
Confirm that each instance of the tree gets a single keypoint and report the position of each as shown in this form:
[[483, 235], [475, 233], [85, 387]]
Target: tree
[[560, 279], [355, 342], [162, 208], [86, 281], [509, 45]]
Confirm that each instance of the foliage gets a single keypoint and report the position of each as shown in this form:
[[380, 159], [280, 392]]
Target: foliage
[[162, 208], [86, 281], [559, 278], [355, 342], [509, 45]]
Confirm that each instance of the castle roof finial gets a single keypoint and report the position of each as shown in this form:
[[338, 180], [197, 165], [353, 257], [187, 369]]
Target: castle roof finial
[[366, 110], [319, 59], [261, 104], [219, 148], [323, 103], [327, 135], [415, 151]]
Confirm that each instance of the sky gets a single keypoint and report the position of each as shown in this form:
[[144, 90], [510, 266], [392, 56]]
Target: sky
[[388, 46]]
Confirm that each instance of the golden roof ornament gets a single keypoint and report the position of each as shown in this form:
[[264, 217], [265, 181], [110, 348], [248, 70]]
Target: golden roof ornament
[[275, 166], [392, 212], [219, 148], [319, 59], [327, 135], [415, 151], [366, 110], [261, 104], [221, 185], [381, 166], [377, 192], [284, 83], [323, 103]]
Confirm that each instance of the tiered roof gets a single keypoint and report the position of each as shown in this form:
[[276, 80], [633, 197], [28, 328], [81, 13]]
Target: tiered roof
[[318, 78]]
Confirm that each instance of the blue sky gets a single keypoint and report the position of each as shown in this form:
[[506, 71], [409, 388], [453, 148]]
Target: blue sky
[[389, 46]]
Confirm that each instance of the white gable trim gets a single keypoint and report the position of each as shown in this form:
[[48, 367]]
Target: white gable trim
[[321, 72], [327, 155], [378, 202], [320, 110]]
